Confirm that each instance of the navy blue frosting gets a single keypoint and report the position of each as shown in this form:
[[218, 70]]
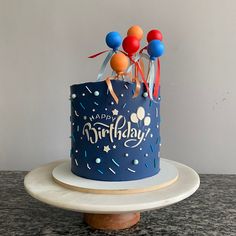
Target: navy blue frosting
[[106, 143]]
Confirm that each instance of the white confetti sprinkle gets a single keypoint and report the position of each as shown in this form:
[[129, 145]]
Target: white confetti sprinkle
[[88, 89], [112, 171], [88, 166], [76, 162], [131, 170]]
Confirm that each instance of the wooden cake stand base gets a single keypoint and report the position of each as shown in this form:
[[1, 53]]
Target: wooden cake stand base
[[112, 221], [109, 211]]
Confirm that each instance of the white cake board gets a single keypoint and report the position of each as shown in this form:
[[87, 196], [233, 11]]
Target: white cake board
[[167, 175], [39, 184]]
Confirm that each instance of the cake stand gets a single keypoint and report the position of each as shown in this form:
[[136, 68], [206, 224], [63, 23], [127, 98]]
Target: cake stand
[[109, 211]]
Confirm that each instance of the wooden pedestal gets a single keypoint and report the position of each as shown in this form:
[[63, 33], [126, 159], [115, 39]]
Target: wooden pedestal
[[112, 221]]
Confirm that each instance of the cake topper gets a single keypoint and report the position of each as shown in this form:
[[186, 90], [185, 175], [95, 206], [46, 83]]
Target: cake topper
[[119, 63], [130, 45], [135, 31], [155, 49], [154, 34], [113, 40], [128, 64]]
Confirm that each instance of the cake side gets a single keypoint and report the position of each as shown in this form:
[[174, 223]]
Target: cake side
[[114, 142]]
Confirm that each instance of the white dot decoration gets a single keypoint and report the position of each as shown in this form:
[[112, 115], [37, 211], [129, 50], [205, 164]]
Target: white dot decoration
[[96, 93], [159, 98], [76, 151], [105, 109], [126, 154], [146, 155], [98, 160], [140, 149], [159, 144], [151, 135], [93, 110], [135, 162], [97, 146], [122, 95], [112, 103], [85, 117], [157, 126], [73, 95], [145, 94], [83, 94]]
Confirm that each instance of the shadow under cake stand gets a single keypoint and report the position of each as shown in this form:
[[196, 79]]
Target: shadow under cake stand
[[111, 205]]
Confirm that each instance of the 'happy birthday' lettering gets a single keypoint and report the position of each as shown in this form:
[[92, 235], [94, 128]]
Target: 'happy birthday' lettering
[[119, 128]]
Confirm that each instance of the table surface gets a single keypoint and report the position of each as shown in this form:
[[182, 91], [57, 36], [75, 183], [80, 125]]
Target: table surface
[[210, 211]]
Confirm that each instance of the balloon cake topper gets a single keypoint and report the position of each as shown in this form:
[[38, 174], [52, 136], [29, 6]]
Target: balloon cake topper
[[128, 65]]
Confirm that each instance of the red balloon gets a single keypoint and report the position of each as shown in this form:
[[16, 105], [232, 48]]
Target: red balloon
[[154, 34], [131, 44]]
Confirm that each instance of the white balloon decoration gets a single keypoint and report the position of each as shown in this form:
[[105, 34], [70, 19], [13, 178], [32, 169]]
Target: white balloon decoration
[[140, 113], [134, 118], [147, 121]]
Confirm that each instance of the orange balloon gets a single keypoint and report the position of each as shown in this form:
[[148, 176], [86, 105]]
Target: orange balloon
[[135, 31], [119, 62]]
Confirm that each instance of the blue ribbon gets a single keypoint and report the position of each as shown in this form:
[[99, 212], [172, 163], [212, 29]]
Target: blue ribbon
[[104, 64], [151, 78]]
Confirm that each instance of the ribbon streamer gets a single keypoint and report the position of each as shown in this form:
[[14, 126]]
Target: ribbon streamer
[[151, 76], [110, 87], [137, 87], [112, 92], [104, 64], [139, 69], [97, 54], [157, 81]]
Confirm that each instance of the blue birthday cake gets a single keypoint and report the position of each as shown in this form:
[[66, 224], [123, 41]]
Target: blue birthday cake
[[115, 123]]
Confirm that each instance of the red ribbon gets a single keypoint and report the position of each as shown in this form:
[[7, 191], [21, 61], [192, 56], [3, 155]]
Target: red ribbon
[[97, 54], [157, 81], [139, 71], [144, 48]]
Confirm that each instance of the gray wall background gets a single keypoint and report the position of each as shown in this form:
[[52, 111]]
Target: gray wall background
[[43, 50]]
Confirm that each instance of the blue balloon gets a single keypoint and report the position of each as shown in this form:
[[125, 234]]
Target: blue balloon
[[113, 40], [155, 49]]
